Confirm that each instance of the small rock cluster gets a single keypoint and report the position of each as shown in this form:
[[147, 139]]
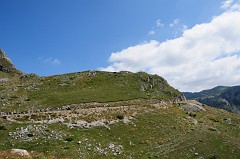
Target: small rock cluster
[[4, 79], [34, 132], [109, 149], [112, 148], [85, 124]]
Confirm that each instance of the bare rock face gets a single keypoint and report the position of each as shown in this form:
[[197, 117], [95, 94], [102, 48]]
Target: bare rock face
[[20, 153], [6, 64], [179, 98], [193, 106]]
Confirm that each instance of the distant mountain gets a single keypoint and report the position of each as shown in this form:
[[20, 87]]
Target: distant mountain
[[222, 97]]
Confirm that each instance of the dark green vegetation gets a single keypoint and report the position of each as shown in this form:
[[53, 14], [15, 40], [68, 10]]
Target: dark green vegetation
[[222, 97], [96, 114]]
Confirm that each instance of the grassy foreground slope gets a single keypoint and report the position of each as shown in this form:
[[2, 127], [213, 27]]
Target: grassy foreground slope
[[143, 131]]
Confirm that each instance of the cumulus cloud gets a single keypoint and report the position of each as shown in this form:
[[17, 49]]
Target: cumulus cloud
[[50, 60], [204, 56]]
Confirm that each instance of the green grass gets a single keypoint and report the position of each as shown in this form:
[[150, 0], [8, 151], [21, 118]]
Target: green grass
[[74, 88], [153, 133], [159, 133]]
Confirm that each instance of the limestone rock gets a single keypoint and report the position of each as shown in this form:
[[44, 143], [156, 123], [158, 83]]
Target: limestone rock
[[20, 152], [6, 64], [193, 106]]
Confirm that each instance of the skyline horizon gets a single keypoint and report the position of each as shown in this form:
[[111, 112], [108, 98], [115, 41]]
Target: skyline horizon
[[119, 71]]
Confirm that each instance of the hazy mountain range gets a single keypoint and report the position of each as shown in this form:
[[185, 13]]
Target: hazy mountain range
[[222, 97]]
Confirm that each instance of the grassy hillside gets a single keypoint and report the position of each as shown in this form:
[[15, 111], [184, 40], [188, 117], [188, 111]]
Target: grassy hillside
[[30, 91], [96, 114], [109, 115]]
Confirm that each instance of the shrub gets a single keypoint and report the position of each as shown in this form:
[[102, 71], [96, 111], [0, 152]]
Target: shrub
[[69, 139], [2, 127], [192, 115], [212, 129], [27, 99], [30, 135], [212, 157], [120, 117], [214, 120]]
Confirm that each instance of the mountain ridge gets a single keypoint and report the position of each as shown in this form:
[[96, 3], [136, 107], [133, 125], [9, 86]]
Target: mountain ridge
[[223, 97]]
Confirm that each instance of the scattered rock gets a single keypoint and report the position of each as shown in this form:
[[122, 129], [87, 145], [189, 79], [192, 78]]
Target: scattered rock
[[20, 152], [212, 129], [4, 79], [32, 132]]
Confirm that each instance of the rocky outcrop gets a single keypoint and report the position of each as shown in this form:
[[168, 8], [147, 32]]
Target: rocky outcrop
[[6, 64], [179, 98], [192, 106]]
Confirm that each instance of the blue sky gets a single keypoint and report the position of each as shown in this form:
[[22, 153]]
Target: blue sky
[[49, 37]]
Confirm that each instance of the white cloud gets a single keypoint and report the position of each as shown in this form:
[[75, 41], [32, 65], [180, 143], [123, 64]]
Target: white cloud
[[174, 23], [155, 29], [184, 27], [50, 60], [226, 4], [56, 62], [205, 55], [178, 27], [159, 23], [231, 5], [152, 32]]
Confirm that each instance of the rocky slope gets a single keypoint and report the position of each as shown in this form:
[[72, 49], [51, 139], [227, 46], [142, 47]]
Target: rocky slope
[[6, 64], [222, 97]]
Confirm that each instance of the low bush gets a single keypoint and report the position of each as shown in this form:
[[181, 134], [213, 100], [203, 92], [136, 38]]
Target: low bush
[[69, 139], [2, 127], [120, 117]]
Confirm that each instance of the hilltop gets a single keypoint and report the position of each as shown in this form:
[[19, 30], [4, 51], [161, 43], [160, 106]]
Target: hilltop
[[31, 91], [97, 114], [227, 98]]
